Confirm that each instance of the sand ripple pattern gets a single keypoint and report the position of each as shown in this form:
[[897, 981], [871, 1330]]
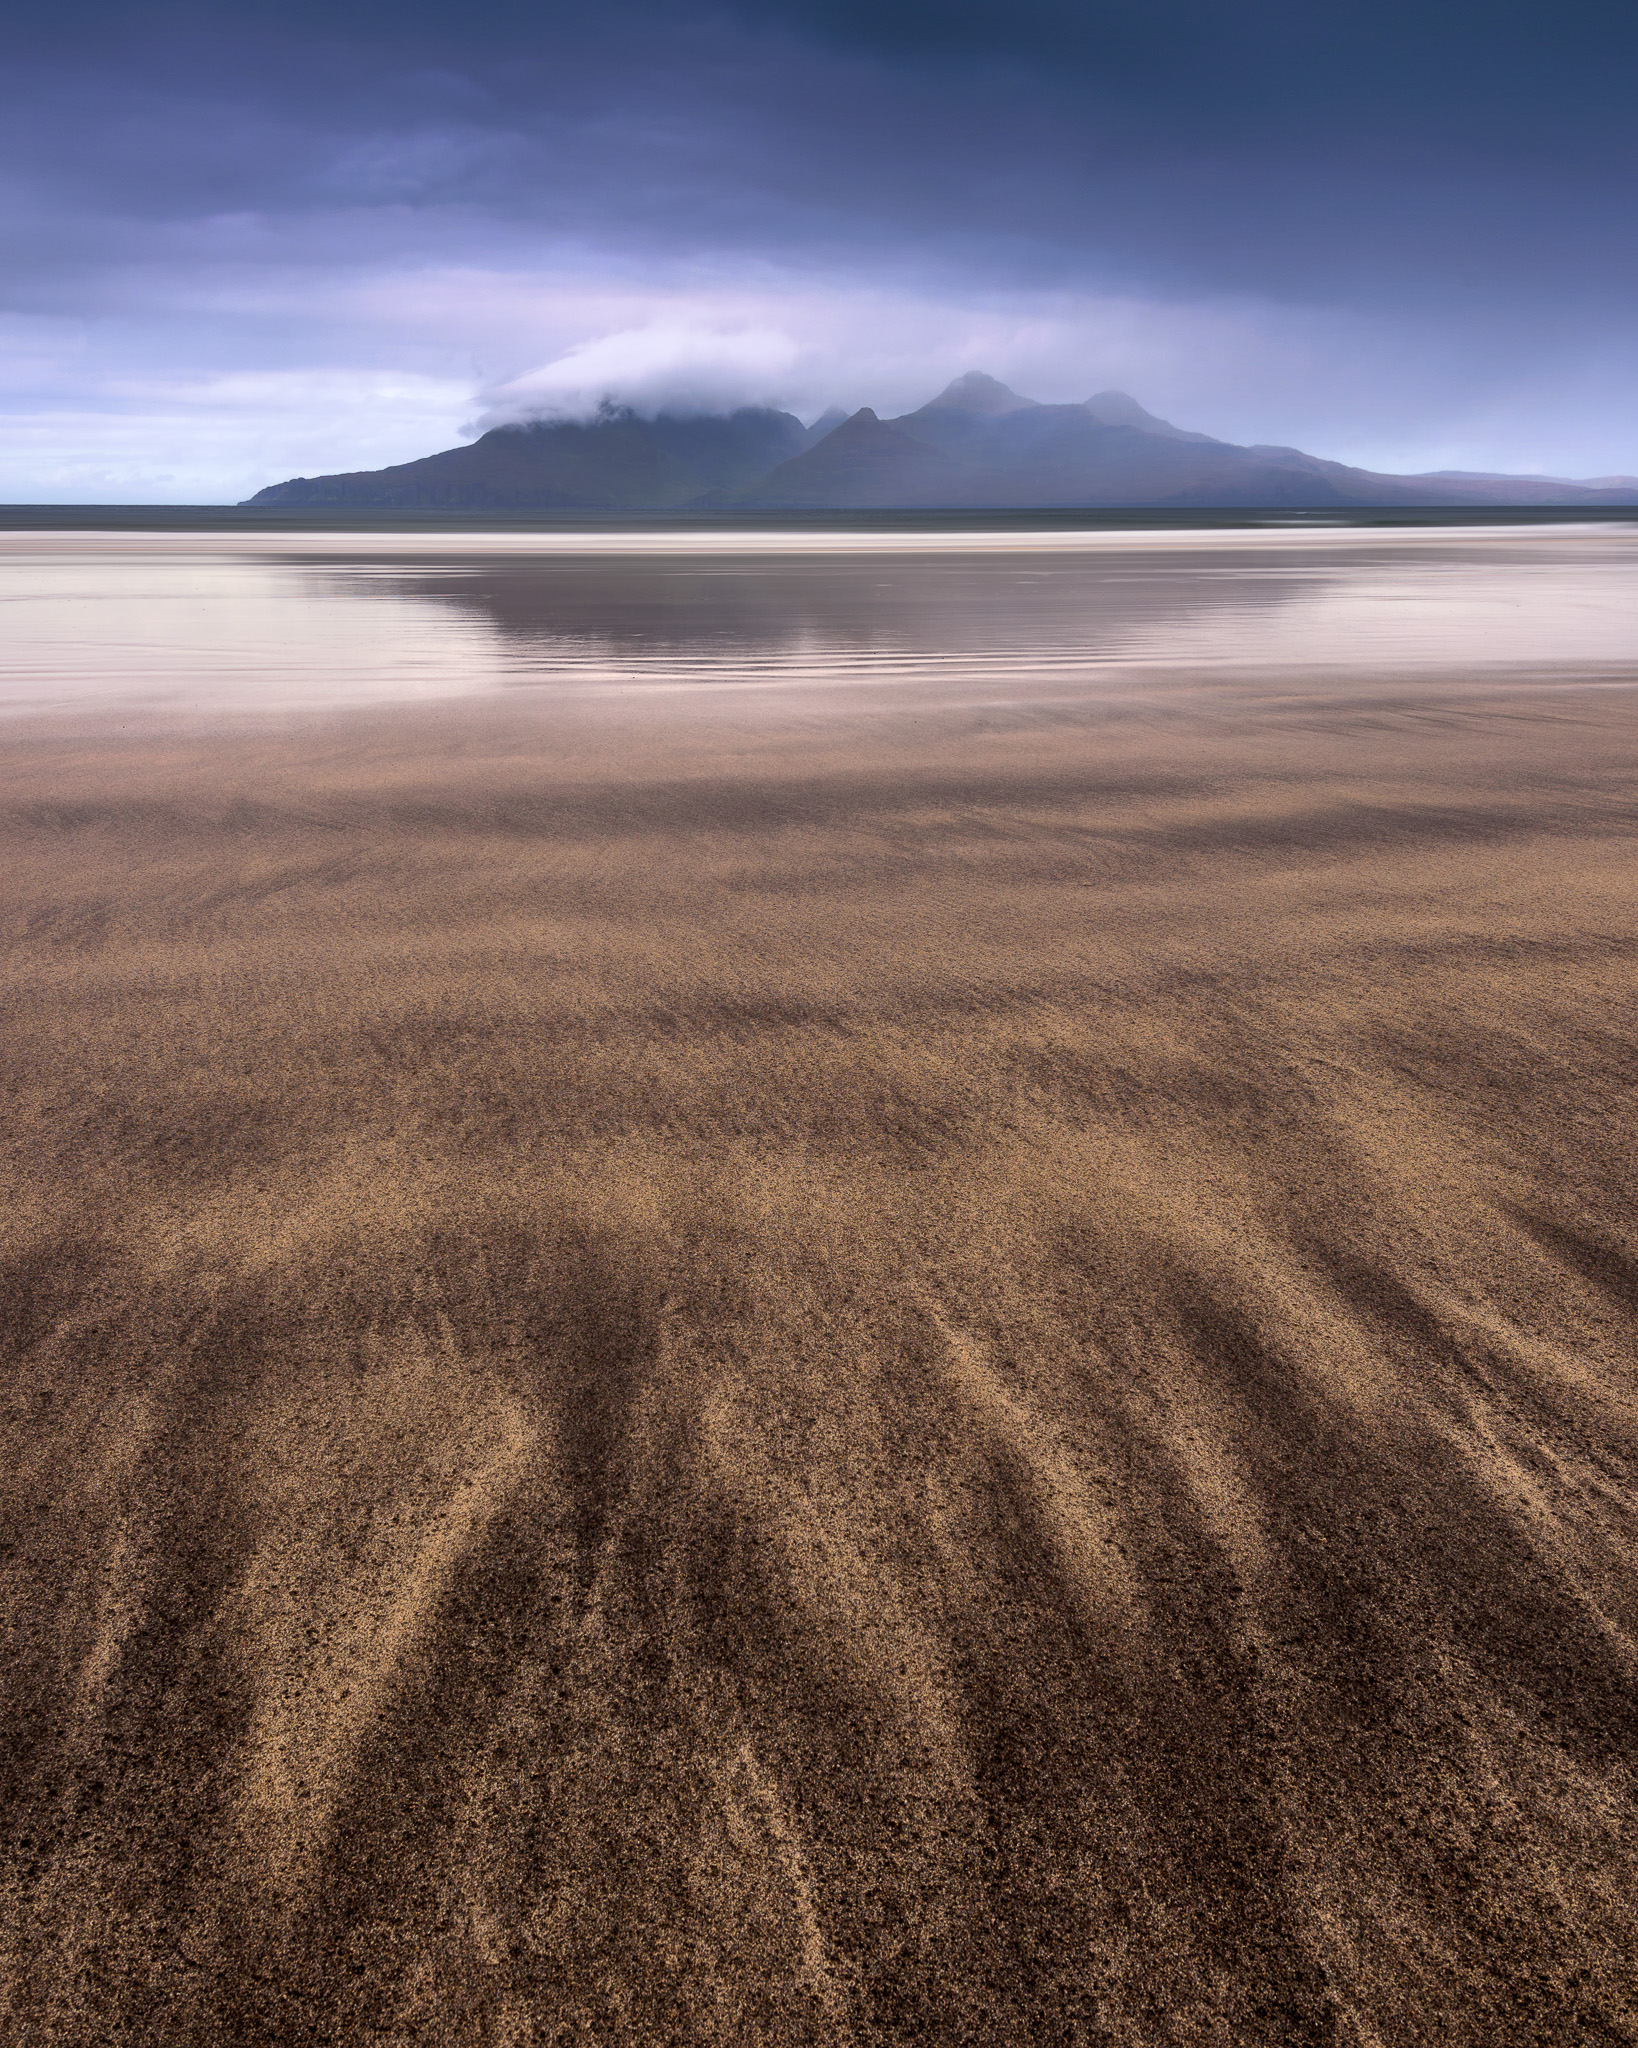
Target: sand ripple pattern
[[823, 1384]]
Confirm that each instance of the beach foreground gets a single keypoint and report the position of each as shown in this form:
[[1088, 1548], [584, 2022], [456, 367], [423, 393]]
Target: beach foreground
[[813, 1378]]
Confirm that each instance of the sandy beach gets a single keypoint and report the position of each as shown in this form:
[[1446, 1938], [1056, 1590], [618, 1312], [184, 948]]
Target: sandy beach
[[862, 1371]]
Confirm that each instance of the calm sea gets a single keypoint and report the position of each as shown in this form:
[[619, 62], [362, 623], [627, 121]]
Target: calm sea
[[239, 623]]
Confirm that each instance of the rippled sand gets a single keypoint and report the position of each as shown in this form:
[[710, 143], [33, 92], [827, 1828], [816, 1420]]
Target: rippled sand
[[884, 1371]]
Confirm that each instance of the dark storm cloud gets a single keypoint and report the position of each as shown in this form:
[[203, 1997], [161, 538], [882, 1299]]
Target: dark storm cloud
[[1357, 147], [1468, 167]]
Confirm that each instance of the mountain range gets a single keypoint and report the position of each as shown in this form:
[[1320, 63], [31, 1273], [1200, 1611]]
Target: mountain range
[[975, 446]]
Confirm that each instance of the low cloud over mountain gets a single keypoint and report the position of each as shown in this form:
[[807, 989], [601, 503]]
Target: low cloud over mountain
[[976, 445], [669, 367], [1397, 232]]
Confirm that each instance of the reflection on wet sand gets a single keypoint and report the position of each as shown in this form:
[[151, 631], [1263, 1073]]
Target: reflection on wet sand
[[970, 615], [693, 616], [226, 623]]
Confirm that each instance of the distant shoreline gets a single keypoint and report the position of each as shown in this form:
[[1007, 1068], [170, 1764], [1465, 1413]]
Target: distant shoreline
[[375, 519]]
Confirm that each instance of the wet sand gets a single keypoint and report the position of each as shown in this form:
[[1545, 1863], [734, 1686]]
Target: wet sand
[[861, 1373]]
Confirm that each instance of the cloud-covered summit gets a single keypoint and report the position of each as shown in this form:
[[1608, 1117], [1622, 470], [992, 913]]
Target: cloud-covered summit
[[666, 367], [976, 445]]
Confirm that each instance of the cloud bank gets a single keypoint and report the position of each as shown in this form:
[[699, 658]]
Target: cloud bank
[[243, 244]]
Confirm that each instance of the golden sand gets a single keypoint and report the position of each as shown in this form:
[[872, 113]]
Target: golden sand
[[824, 1377]]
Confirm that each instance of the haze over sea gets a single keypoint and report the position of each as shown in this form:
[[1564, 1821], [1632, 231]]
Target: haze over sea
[[846, 1287]]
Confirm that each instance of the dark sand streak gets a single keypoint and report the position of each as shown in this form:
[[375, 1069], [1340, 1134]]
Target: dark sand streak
[[713, 1376]]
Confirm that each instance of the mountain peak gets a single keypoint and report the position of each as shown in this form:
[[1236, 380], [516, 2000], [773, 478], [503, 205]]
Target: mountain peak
[[1121, 409], [827, 423], [977, 393]]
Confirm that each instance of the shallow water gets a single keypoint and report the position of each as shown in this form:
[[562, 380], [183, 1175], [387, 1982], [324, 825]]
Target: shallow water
[[193, 623]]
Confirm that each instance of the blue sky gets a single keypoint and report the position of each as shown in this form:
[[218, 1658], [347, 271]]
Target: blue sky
[[245, 243]]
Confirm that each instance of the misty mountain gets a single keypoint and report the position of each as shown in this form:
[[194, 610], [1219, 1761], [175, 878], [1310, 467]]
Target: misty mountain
[[1005, 451], [827, 423], [970, 409], [976, 446], [618, 462], [1117, 409], [862, 463]]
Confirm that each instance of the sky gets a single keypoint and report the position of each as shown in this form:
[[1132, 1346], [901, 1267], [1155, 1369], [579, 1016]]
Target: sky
[[247, 242]]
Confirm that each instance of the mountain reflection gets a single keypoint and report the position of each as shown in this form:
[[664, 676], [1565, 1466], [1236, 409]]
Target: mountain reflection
[[641, 613], [226, 622]]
